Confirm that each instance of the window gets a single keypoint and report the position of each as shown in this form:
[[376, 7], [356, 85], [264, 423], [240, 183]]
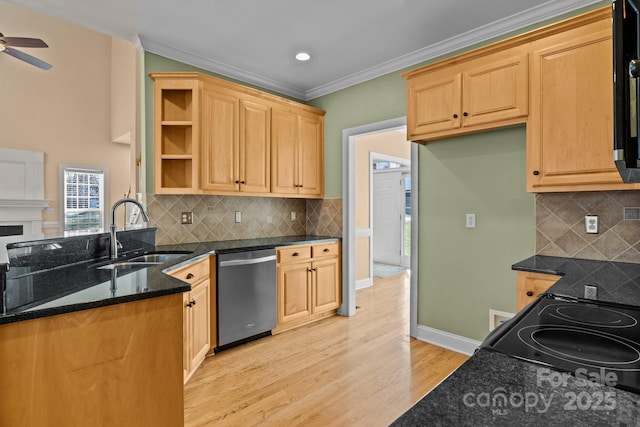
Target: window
[[83, 192]]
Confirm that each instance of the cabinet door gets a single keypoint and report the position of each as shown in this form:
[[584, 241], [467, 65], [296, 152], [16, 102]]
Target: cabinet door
[[294, 292], [434, 102], [220, 141], [569, 134], [255, 147], [311, 156], [284, 155], [495, 90], [199, 327], [530, 285], [326, 286], [186, 337]]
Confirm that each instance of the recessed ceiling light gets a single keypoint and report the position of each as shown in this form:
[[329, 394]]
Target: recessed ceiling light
[[303, 56]]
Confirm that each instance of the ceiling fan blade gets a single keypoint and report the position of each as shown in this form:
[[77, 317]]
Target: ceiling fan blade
[[24, 42], [27, 58]]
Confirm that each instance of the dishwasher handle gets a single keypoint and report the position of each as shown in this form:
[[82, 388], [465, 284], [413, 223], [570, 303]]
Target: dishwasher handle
[[235, 262]]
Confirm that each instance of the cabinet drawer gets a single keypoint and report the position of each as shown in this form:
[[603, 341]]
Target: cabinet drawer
[[192, 273], [323, 250], [294, 253]]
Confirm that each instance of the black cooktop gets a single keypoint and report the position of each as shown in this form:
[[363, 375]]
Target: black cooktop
[[589, 339]]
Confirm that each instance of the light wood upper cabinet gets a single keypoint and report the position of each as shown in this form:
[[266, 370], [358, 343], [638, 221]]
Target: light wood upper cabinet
[[235, 143], [570, 127], [467, 97], [255, 147], [220, 140], [176, 136], [297, 153], [435, 102], [217, 137], [557, 78]]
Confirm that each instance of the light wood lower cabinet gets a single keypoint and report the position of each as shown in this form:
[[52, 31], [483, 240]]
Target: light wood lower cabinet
[[309, 283], [530, 285], [198, 328], [117, 365]]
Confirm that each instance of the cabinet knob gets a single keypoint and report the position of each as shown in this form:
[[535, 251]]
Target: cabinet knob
[[529, 293], [242, 182], [634, 68], [455, 116], [536, 173], [189, 276], [189, 304], [295, 254], [236, 182], [465, 114], [193, 302], [326, 250]]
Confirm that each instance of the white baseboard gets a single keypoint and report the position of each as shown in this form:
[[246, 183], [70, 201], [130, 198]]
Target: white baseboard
[[447, 340], [364, 283]]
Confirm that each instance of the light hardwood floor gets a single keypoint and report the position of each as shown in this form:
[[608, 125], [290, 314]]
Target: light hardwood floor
[[363, 370]]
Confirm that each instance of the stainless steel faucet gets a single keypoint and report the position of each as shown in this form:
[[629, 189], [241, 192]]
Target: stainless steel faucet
[[113, 240]]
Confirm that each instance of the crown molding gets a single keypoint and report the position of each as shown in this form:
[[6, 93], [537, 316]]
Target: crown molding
[[200, 61], [476, 36], [532, 16]]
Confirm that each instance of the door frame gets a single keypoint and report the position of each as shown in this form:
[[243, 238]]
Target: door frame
[[348, 307], [406, 167]]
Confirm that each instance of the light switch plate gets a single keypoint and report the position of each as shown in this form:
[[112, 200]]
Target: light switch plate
[[238, 217], [471, 220]]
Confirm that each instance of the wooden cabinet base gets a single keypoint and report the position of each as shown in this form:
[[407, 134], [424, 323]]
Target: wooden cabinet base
[[306, 320], [119, 365]]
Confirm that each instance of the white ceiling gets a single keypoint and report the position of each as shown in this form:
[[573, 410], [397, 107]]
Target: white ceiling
[[350, 41]]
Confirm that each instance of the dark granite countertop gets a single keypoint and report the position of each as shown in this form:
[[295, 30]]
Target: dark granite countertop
[[471, 395], [491, 389], [83, 286], [617, 282]]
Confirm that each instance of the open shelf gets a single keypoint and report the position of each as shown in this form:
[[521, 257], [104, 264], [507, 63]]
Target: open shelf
[[176, 139], [176, 104], [177, 173]]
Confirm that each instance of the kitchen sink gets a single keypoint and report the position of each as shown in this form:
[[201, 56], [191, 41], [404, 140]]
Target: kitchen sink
[[143, 261], [158, 258], [127, 265]]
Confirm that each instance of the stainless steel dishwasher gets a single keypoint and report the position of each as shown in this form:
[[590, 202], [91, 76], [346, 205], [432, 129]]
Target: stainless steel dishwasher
[[246, 296]]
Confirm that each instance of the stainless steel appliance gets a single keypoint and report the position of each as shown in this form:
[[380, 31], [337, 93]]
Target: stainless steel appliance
[[581, 337], [626, 68], [246, 296]]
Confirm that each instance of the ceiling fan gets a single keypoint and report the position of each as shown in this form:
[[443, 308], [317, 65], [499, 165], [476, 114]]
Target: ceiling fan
[[7, 45]]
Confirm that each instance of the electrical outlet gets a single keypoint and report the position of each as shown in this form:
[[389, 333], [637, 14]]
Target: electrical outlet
[[590, 292], [238, 217], [591, 224], [187, 218], [293, 215], [269, 219]]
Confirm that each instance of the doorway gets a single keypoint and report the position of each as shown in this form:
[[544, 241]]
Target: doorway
[[351, 231], [390, 209]]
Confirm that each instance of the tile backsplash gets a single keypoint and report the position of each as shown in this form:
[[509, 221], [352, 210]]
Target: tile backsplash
[[560, 227], [214, 217]]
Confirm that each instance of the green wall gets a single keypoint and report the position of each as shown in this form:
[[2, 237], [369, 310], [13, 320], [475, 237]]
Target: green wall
[[465, 272]]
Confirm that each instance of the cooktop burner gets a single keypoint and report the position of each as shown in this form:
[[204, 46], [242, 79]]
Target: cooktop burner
[[570, 333]]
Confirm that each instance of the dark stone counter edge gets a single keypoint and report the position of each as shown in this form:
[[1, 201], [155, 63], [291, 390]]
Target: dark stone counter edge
[[52, 311], [199, 250]]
